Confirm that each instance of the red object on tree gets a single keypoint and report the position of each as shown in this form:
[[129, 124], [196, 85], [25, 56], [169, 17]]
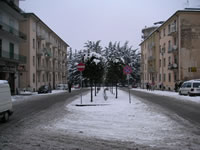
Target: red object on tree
[[81, 67]]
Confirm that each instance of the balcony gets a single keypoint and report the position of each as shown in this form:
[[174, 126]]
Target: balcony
[[56, 69], [173, 66], [40, 36], [48, 42], [55, 56], [41, 68], [151, 45], [47, 53], [151, 70], [10, 31], [8, 56], [49, 69], [172, 49], [151, 58], [40, 52], [173, 30]]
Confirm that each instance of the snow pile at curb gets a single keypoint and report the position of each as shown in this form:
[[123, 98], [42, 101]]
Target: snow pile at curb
[[171, 94]]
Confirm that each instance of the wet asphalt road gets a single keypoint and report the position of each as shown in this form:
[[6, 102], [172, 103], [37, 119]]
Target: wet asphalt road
[[33, 106]]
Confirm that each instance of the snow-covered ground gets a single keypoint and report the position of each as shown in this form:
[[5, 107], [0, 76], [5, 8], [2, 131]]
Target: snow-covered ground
[[117, 119], [171, 94]]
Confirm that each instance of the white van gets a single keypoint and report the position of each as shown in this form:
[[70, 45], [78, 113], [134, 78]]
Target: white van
[[5, 101], [191, 88]]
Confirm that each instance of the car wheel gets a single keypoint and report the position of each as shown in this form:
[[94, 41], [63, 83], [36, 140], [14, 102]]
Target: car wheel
[[5, 117], [180, 93], [190, 94]]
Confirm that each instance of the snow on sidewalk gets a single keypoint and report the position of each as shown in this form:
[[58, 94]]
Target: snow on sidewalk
[[171, 94], [119, 120]]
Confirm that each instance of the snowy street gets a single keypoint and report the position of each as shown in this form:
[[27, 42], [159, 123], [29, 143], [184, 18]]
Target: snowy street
[[103, 124]]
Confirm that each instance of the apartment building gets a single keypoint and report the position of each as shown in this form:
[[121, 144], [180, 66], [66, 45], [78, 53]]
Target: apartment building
[[179, 44], [149, 56], [46, 53], [10, 37]]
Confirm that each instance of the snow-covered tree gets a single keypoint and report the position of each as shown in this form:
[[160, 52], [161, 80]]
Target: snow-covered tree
[[73, 60], [94, 61]]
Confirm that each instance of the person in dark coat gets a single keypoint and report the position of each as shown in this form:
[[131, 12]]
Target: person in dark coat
[[69, 87]]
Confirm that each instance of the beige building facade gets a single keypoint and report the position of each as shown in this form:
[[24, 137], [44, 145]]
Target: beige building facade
[[46, 54], [10, 38], [178, 50]]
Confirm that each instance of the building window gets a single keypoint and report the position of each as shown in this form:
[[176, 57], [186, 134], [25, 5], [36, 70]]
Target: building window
[[160, 49], [34, 27], [174, 40], [169, 59], [160, 63], [11, 52], [164, 32], [169, 76], [169, 45], [33, 43], [175, 59], [169, 28], [34, 78], [164, 77], [175, 78], [43, 78], [38, 77], [39, 45], [33, 60], [159, 77], [164, 46]]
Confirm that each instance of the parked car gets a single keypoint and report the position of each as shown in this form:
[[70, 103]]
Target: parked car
[[77, 86], [44, 89], [5, 101], [61, 87], [191, 88]]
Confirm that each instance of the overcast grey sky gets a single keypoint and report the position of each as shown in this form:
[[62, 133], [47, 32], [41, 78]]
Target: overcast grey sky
[[77, 21]]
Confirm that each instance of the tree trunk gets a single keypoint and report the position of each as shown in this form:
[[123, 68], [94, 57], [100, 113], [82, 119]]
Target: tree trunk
[[91, 94], [116, 92], [95, 93]]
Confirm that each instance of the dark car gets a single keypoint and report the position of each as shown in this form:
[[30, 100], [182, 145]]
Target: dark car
[[44, 89]]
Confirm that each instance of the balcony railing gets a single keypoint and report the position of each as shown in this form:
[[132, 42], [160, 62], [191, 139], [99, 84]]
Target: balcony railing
[[150, 58], [151, 69], [40, 68], [172, 29], [40, 36], [47, 53], [172, 49], [40, 52], [12, 57], [11, 30], [172, 66]]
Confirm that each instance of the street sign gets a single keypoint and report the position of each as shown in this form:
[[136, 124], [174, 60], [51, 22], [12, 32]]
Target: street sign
[[127, 69], [81, 67]]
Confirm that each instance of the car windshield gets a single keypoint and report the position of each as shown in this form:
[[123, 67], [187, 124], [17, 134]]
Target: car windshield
[[196, 85]]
